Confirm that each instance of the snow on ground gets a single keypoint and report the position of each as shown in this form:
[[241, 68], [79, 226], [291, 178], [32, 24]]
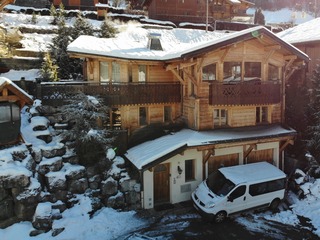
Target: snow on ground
[[105, 224]]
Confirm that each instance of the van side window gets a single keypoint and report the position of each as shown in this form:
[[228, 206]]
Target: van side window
[[238, 192], [266, 187]]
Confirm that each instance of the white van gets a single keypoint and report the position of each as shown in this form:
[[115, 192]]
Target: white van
[[238, 188]]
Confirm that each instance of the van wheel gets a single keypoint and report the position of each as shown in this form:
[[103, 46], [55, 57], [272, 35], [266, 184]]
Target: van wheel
[[274, 204], [220, 217]]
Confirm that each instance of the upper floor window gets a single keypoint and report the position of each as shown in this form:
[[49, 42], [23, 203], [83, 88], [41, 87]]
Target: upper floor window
[[209, 72], [220, 117], [273, 72], [262, 114], [142, 73], [252, 70], [104, 71], [232, 71], [115, 72]]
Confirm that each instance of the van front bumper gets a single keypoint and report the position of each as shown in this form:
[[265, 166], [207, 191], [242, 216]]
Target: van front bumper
[[205, 215]]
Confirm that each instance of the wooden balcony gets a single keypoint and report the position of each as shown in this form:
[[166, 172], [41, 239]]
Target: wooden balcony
[[114, 94], [244, 93]]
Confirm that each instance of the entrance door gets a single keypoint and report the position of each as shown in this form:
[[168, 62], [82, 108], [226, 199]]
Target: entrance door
[[161, 183]]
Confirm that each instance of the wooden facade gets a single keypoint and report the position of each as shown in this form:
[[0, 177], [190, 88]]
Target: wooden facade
[[78, 4], [194, 11]]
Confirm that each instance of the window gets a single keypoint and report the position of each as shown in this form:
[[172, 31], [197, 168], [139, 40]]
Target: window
[[273, 73], [238, 192], [209, 72], [262, 114], [167, 114], [232, 71], [104, 72], [9, 112], [252, 70], [189, 170], [142, 73], [115, 72], [143, 116], [220, 117], [267, 187]]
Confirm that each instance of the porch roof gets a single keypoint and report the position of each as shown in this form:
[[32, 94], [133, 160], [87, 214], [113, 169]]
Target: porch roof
[[15, 89], [152, 152]]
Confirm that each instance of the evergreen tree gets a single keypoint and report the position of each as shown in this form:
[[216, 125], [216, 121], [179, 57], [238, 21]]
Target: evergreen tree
[[259, 17], [34, 19], [49, 69], [81, 27], [106, 29], [313, 142], [54, 14]]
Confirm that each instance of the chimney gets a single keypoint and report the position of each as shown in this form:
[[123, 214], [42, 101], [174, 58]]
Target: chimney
[[154, 41]]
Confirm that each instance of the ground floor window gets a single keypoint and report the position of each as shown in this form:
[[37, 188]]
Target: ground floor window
[[220, 117], [189, 170], [261, 114], [167, 114], [143, 116]]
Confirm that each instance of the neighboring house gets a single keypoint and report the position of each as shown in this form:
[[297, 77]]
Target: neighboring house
[[3, 3], [195, 11], [79, 4], [306, 37], [12, 99], [229, 89]]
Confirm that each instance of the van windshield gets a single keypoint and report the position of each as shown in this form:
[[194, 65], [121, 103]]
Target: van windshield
[[218, 184]]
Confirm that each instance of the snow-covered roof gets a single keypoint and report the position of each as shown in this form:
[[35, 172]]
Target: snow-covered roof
[[148, 152], [302, 33], [176, 43], [5, 82]]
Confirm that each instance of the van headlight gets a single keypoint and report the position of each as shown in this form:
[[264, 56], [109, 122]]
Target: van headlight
[[210, 205]]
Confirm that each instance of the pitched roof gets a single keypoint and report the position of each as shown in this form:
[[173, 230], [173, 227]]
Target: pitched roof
[[149, 153], [302, 33], [177, 43], [7, 83]]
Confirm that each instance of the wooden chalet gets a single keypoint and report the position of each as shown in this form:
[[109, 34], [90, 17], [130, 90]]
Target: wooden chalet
[[12, 99], [195, 11], [228, 89], [79, 4]]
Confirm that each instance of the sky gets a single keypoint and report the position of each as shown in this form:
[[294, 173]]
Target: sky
[[108, 223]]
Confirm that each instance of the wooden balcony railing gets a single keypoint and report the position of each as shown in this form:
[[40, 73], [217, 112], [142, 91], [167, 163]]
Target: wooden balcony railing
[[244, 93], [113, 94]]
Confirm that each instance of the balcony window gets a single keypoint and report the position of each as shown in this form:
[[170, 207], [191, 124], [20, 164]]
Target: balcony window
[[220, 117], [209, 72], [189, 168], [252, 71], [231, 71], [115, 72], [261, 114], [104, 72], [143, 116], [167, 114], [273, 73], [142, 73]]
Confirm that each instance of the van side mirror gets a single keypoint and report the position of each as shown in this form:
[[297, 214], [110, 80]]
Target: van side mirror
[[230, 199]]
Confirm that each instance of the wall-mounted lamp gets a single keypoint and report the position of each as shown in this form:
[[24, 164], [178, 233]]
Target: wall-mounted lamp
[[179, 170]]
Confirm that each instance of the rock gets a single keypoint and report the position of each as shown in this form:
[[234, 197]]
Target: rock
[[94, 182], [62, 195], [42, 219], [46, 110], [56, 181], [51, 153], [50, 165], [36, 154], [128, 185], [57, 231], [74, 172], [24, 211], [15, 181], [6, 208], [36, 232], [78, 185], [109, 187], [117, 201], [61, 206], [4, 193]]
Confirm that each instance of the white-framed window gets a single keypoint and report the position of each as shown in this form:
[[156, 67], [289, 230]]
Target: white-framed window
[[220, 117]]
